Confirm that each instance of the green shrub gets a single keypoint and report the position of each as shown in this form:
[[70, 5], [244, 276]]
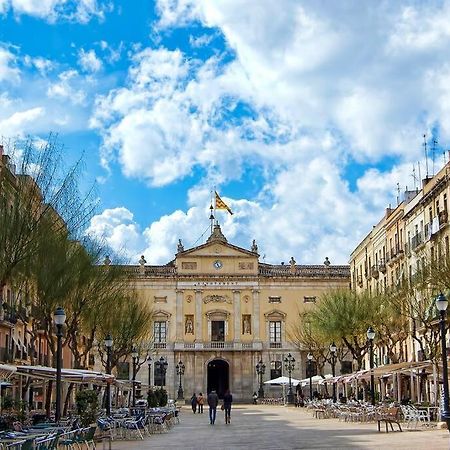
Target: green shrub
[[87, 406], [152, 399]]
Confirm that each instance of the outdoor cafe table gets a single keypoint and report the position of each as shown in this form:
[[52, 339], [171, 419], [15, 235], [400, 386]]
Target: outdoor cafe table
[[431, 410]]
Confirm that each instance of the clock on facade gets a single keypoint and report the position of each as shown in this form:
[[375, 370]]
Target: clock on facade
[[218, 264]]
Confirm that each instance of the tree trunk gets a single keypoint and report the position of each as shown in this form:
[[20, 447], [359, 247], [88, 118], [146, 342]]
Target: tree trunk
[[48, 399], [67, 400]]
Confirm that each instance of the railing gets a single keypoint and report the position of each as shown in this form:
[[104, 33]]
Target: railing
[[275, 345], [374, 271], [416, 240], [219, 345], [160, 345]]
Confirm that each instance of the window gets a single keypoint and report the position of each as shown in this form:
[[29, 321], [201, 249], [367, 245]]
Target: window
[[275, 331], [218, 330], [159, 331], [310, 299], [275, 369]]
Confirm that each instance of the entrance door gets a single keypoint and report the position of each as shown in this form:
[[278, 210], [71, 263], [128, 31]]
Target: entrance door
[[218, 376]]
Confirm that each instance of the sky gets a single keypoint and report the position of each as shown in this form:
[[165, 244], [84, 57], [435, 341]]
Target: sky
[[306, 116]]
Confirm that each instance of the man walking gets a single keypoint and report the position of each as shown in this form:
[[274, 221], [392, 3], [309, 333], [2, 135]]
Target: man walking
[[213, 401]]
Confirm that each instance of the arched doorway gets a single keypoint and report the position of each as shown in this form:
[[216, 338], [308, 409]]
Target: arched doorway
[[218, 376]]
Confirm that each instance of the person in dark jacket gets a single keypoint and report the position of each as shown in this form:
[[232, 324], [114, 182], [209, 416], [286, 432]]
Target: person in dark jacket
[[213, 401], [194, 402], [227, 401]]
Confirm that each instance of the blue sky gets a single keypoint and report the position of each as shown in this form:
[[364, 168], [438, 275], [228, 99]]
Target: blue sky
[[304, 115]]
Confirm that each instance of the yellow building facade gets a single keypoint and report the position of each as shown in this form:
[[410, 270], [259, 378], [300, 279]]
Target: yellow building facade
[[219, 310], [415, 232]]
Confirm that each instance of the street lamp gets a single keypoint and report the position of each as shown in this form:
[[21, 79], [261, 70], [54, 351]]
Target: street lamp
[[180, 372], [108, 344], [260, 369], [161, 365], [289, 364], [149, 362], [310, 361], [134, 357], [333, 350], [371, 337], [59, 318], [441, 304]]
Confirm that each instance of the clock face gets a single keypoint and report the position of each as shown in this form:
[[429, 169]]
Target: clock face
[[218, 264]]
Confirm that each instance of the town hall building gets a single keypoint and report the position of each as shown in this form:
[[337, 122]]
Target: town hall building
[[219, 310]]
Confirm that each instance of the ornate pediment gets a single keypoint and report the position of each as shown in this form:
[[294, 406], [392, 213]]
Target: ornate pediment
[[275, 314], [216, 299]]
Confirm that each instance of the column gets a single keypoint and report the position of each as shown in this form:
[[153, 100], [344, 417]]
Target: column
[[255, 318], [237, 315], [198, 316], [179, 317]]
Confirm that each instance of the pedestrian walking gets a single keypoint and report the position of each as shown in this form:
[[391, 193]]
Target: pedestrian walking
[[255, 398], [227, 401], [194, 402], [200, 401], [213, 401]]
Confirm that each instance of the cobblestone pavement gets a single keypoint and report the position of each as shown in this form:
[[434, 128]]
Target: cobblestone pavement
[[277, 427]]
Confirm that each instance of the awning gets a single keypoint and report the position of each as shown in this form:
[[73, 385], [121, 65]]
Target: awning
[[68, 375], [7, 370], [282, 381]]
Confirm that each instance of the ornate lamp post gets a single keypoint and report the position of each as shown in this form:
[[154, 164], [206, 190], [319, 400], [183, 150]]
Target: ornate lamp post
[[310, 360], [180, 372], [108, 344], [289, 364], [134, 357], [149, 362], [260, 370], [441, 304], [59, 318], [371, 337], [161, 364], [333, 350]]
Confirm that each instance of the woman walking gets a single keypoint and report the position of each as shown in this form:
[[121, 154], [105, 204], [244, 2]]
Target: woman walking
[[227, 401], [194, 402], [200, 401]]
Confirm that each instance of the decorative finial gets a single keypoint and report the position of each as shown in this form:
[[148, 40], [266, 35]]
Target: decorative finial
[[292, 261], [180, 246], [254, 246], [327, 261], [142, 261], [107, 261]]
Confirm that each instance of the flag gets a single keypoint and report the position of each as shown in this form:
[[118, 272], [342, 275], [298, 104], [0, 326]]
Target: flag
[[220, 204]]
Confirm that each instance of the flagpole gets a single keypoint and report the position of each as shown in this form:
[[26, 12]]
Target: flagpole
[[211, 215]]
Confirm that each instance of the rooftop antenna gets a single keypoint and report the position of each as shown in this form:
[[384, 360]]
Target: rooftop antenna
[[398, 194], [420, 174], [414, 177], [433, 153], [425, 150]]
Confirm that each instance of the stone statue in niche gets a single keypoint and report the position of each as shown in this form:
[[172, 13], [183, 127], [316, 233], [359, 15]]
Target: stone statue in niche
[[189, 325], [246, 325]]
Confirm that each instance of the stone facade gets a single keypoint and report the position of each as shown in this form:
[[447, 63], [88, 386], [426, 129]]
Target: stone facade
[[219, 310]]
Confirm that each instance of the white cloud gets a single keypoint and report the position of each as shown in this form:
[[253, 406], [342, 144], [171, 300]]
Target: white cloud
[[8, 69], [64, 88], [89, 61], [52, 10], [18, 121]]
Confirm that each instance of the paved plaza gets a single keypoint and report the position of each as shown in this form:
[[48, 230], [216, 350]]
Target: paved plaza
[[277, 427]]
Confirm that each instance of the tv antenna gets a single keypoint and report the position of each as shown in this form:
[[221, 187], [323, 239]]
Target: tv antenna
[[426, 155], [414, 177], [433, 153]]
